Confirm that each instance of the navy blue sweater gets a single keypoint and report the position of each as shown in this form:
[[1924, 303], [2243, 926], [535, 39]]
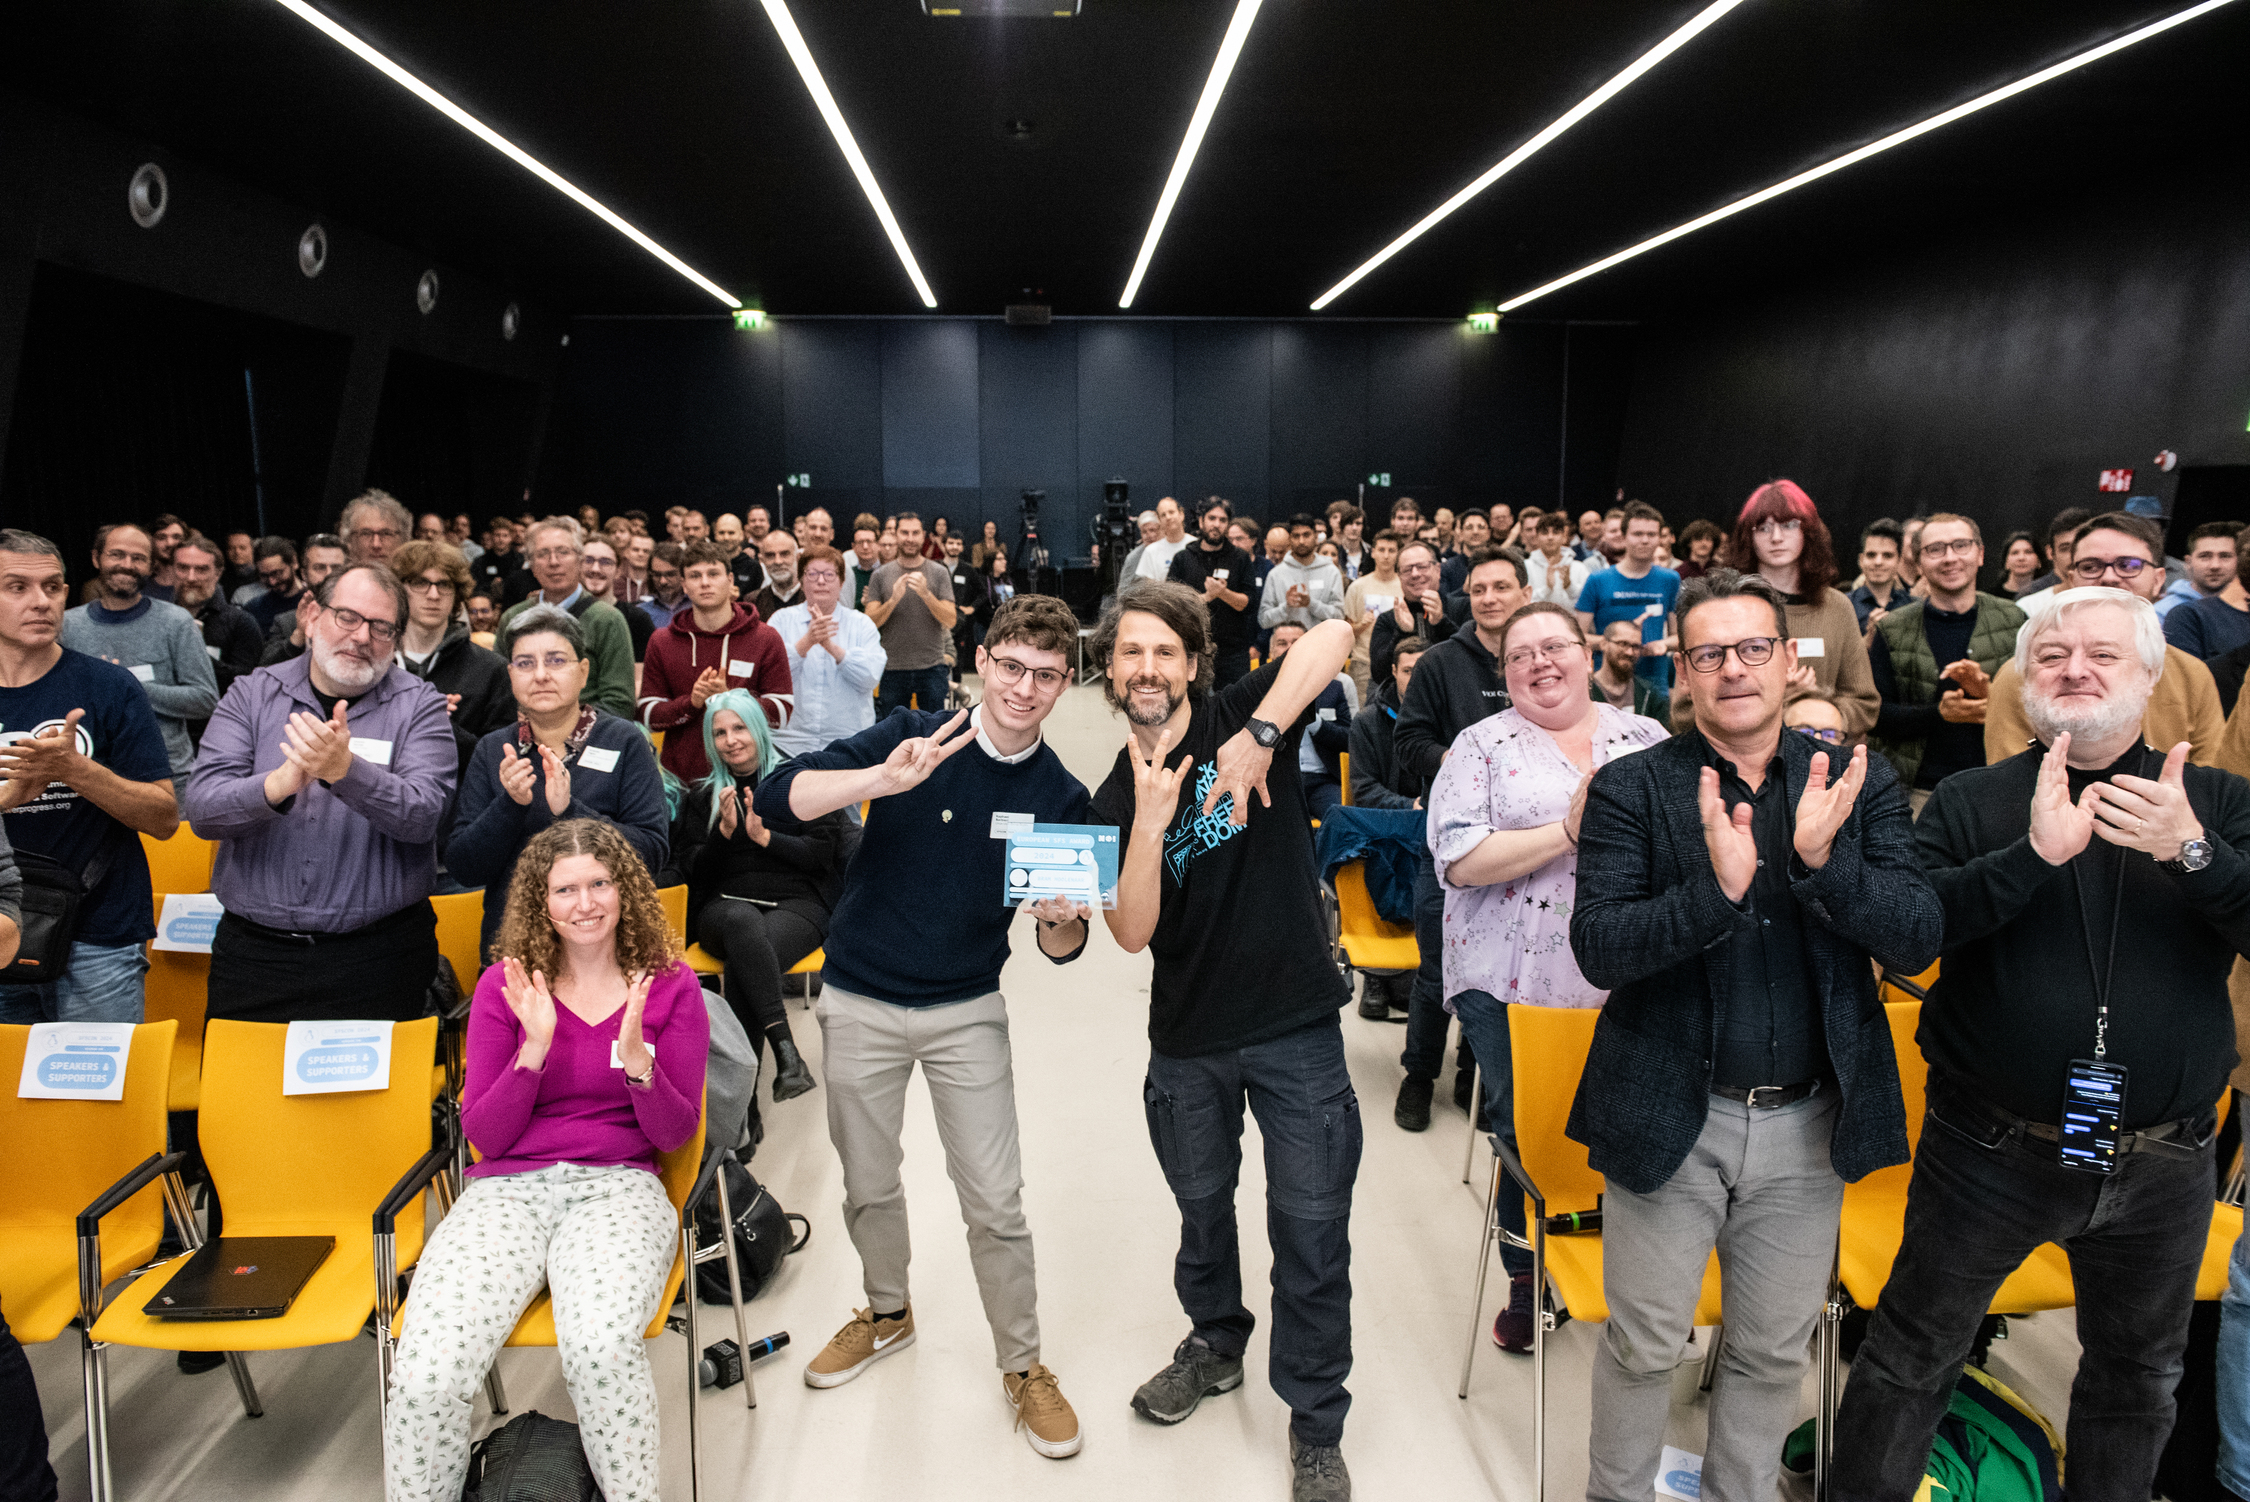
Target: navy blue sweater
[[921, 921], [490, 828]]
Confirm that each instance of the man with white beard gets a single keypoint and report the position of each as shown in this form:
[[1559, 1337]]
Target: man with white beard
[[2044, 1024], [324, 779]]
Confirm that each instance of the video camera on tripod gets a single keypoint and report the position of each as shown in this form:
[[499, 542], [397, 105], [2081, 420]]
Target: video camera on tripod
[[1114, 533]]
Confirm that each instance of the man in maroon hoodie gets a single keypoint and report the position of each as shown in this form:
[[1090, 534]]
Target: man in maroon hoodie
[[713, 646]]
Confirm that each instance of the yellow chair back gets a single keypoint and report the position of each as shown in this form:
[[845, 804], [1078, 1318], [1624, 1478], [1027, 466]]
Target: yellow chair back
[[1549, 1046], [179, 864], [177, 988], [1369, 940], [61, 1154], [1346, 760], [675, 911], [460, 922]]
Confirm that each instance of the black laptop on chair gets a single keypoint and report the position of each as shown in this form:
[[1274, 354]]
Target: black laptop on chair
[[241, 1277]]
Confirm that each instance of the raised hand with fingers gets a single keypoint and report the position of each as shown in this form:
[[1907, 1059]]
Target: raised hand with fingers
[[517, 779], [2059, 827], [320, 749], [1242, 765], [1053, 912], [2151, 817], [730, 811], [534, 1005], [1823, 806], [1156, 791], [912, 761], [29, 766], [708, 682], [632, 1049], [558, 781], [1734, 851]]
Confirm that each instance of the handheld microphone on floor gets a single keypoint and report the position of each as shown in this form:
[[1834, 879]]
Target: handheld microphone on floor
[[767, 1346], [722, 1363]]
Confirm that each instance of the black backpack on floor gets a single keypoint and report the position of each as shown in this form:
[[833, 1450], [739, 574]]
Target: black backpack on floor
[[762, 1235], [531, 1458]]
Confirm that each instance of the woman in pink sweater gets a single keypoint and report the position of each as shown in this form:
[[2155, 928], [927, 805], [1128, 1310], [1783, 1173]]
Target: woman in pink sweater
[[587, 1043]]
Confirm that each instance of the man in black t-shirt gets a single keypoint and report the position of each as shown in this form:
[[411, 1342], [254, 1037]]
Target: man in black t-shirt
[[1221, 573], [1230, 1020]]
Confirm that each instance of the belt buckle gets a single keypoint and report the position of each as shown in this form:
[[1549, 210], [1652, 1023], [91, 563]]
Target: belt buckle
[[1751, 1100]]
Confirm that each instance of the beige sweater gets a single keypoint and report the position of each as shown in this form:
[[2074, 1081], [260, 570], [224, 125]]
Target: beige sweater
[[2184, 706], [1840, 665]]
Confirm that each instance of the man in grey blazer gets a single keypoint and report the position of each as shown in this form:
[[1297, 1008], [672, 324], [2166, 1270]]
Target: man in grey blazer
[[1731, 890]]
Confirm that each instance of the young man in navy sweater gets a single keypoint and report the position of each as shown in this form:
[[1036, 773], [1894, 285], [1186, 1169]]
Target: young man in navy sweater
[[1242, 1005], [913, 973]]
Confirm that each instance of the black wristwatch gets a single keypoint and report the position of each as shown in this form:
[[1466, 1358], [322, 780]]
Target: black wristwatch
[[2194, 856], [1265, 732]]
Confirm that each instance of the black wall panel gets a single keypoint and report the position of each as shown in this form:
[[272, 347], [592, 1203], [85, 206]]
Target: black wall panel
[[1319, 433], [1222, 411], [1125, 413], [1029, 400], [929, 405], [831, 410]]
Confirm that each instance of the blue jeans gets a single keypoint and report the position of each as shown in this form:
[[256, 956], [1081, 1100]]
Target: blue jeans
[[2234, 1370], [1980, 1200], [1484, 1023], [1322, 793], [1426, 1020], [102, 983], [1301, 1093], [901, 684]]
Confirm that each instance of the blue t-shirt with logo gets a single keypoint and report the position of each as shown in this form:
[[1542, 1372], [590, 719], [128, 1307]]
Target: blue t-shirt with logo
[[1650, 599], [119, 731]]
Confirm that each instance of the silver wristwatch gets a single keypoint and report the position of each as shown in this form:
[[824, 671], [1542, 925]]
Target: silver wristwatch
[[2194, 856]]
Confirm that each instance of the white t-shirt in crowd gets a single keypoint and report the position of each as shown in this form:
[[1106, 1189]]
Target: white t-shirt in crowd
[[1157, 556]]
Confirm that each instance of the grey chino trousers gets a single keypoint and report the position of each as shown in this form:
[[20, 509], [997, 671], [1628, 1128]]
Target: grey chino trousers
[[1759, 1187]]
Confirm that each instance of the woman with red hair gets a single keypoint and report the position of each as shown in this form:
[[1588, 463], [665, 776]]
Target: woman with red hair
[[1780, 537]]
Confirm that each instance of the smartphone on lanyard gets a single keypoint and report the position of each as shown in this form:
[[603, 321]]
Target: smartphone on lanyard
[[2093, 1112]]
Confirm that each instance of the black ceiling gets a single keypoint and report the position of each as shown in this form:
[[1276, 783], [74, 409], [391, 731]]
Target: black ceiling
[[1345, 122]]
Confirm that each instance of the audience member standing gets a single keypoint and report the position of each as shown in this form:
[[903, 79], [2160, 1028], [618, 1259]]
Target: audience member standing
[[1303, 587], [972, 605], [910, 600], [1150, 530], [323, 558], [324, 782], [278, 583], [374, 526], [1472, 533], [1420, 609], [709, 648], [436, 648], [742, 562], [1320, 749], [2123, 552], [909, 979], [777, 555], [1879, 589], [230, 638], [1781, 538], [1616, 683], [1371, 596], [2218, 620], [497, 567], [154, 640], [1558, 574], [1458, 683], [1731, 893], [1171, 537], [1221, 572], [238, 580], [165, 534], [83, 773], [561, 759], [1503, 837], [835, 660], [1234, 1024], [600, 572], [1933, 661], [2028, 995], [557, 568], [1375, 776], [1635, 589], [667, 588]]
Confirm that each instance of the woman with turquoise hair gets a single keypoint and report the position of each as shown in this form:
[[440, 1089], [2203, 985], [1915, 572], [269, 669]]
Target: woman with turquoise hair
[[758, 899]]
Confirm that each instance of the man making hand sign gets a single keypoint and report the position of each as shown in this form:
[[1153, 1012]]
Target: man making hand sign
[[1242, 1005], [1731, 891]]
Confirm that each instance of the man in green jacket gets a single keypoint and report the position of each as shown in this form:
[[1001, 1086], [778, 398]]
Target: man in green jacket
[[556, 547], [1933, 661]]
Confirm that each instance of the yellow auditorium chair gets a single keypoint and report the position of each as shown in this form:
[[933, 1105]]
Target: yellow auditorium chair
[[1365, 940], [685, 1187], [1549, 1045], [176, 989], [83, 1189], [179, 864], [292, 1165], [460, 927]]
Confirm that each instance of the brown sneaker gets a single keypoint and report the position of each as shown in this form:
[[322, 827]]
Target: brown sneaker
[[858, 1346], [1043, 1414]]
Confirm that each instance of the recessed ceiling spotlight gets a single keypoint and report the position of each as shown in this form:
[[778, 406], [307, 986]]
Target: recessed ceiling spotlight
[[507, 148], [426, 291], [148, 195], [312, 250], [1222, 67], [793, 40], [1852, 158], [1530, 148]]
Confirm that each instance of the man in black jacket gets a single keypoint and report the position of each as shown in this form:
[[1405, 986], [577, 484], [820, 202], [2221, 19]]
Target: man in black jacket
[[2031, 996], [229, 635], [1221, 573], [1421, 610], [1457, 683], [1730, 895], [1374, 785]]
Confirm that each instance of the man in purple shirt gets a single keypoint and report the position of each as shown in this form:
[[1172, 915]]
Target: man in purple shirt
[[324, 779]]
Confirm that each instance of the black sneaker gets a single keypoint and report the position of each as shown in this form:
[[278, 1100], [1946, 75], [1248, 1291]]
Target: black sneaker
[[1317, 1472], [1412, 1113], [791, 1078], [1373, 1005], [1197, 1372], [1512, 1331], [193, 1362]]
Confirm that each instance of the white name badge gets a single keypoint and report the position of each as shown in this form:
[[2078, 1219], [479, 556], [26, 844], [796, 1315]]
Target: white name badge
[[1810, 646], [188, 922], [143, 671], [75, 1061], [1219, 574], [1379, 603], [378, 752], [617, 1059], [1004, 825], [214, 651], [1328, 714], [336, 1058], [594, 759], [740, 669]]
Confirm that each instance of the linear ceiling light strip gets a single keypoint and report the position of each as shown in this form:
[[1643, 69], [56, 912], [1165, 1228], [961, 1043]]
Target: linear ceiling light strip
[[1528, 149], [801, 55], [1222, 66], [502, 144], [1900, 138]]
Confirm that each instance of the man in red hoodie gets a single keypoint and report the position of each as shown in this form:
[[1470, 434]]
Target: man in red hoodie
[[711, 647]]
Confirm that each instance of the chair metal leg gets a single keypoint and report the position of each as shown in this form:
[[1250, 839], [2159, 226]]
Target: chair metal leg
[[1824, 1417], [1711, 1357], [1541, 1321], [493, 1391], [244, 1387], [1476, 1114], [93, 1360], [694, 1364], [1484, 1271], [734, 1286]]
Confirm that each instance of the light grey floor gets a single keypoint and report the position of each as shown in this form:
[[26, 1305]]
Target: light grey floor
[[932, 1421]]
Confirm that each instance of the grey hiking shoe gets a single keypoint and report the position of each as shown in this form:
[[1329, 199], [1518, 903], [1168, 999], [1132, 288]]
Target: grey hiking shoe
[[1317, 1472], [1197, 1372]]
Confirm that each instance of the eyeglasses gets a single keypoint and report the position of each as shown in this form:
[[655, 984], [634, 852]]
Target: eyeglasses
[[1784, 526], [1825, 737], [1753, 651], [1008, 670], [1963, 546], [553, 662], [352, 620], [376, 532], [2091, 569], [1552, 650], [554, 555], [427, 586], [822, 576]]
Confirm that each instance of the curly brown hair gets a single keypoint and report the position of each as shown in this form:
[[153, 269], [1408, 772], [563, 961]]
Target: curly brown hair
[[645, 942]]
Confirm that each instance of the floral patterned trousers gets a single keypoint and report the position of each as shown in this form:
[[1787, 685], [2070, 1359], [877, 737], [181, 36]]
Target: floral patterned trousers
[[602, 1240]]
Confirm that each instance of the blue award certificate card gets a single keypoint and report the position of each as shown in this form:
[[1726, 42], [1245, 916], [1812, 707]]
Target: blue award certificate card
[[1077, 861]]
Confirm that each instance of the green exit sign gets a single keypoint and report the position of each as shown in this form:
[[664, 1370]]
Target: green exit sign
[[802, 482], [1381, 479]]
